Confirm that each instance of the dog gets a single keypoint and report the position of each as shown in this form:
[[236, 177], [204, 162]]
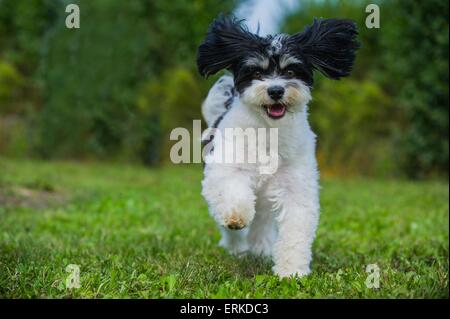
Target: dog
[[269, 86]]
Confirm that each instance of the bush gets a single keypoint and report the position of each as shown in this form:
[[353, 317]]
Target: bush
[[178, 94], [352, 119], [416, 49], [11, 83], [90, 77]]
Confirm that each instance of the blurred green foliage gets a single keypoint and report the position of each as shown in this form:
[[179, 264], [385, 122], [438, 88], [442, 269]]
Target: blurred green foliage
[[351, 118], [114, 88], [90, 77], [391, 116], [111, 89], [10, 84], [418, 78]]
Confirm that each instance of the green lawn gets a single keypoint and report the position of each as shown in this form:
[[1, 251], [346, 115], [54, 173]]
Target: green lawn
[[141, 233]]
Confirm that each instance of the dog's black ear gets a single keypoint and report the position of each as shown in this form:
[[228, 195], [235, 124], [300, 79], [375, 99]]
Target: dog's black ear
[[227, 41], [328, 45]]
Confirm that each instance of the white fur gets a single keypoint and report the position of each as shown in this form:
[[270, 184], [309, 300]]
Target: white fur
[[213, 106], [281, 210], [287, 59]]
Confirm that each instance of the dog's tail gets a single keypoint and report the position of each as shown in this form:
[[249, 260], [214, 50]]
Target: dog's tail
[[219, 100]]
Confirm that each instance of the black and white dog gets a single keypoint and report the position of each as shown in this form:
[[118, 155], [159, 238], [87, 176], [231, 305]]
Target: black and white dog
[[270, 87]]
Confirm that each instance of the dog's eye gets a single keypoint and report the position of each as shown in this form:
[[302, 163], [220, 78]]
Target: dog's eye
[[257, 75], [290, 73]]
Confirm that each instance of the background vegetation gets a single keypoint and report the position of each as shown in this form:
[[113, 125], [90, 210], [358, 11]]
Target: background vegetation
[[114, 88], [82, 109]]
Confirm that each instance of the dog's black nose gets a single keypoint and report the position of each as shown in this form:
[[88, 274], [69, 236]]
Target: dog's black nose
[[275, 92]]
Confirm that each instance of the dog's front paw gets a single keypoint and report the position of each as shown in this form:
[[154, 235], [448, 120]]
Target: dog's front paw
[[237, 216], [230, 198], [287, 272], [235, 220], [235, 213]]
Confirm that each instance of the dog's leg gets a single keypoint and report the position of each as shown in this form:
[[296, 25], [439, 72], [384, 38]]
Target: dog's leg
[[262, 232], [231, 201], [235, 241], [230, 195], [296, 195], [219, 99]]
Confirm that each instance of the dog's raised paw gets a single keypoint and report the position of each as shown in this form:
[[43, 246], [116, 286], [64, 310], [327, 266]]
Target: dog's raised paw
[[234, 221]]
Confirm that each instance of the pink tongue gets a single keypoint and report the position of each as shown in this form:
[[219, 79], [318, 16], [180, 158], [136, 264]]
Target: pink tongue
[[276, 110]]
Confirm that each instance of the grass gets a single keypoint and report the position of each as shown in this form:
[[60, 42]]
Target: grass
[[141, 233]]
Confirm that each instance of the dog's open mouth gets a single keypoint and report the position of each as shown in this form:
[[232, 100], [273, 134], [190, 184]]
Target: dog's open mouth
[[275, 111]]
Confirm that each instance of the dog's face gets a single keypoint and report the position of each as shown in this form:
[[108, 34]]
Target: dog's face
[[274, 74], [275, 82]]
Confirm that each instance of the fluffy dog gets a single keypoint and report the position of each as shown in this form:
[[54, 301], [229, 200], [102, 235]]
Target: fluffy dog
[[270, 87]]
